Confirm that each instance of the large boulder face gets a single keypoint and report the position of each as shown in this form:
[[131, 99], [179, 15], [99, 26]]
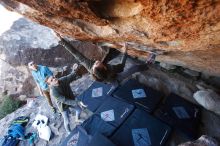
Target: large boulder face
[[27, 41], [25, 34], [190, 29]]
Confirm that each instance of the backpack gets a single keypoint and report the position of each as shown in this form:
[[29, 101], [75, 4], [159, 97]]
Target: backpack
[[21, 120], [16, 131], [9, 141]]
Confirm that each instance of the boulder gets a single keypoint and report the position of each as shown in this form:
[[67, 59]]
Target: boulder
[[209, 99], [22, 97], [167, 66], [188, 31], [191, 73], [204, 140]]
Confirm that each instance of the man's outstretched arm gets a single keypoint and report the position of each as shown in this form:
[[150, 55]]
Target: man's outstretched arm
[[62, 98], [69, 78], [72, 76]]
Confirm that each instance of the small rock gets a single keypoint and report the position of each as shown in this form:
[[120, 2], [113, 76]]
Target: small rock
[[167, 66], [22, 97], [31, 103], [204, 140], [208, 99]]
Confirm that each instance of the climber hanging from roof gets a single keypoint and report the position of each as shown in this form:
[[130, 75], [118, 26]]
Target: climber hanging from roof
[[105, 72]]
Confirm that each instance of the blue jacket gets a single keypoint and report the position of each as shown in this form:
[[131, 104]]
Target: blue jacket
[[40, 76]]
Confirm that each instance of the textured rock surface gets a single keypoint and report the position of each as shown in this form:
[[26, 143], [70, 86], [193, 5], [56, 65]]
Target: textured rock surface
[[26, 41], [204, 140], [209, 99], [170, 25], [203, 61], [27, 34]]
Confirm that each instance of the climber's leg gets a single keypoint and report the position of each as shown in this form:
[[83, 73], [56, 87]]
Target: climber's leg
[[133, 69], [66, 121]]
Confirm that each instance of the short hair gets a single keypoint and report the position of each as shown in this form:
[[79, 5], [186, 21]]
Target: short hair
[[100, 73]]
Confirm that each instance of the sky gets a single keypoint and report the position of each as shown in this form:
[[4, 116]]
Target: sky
[[7, 18]]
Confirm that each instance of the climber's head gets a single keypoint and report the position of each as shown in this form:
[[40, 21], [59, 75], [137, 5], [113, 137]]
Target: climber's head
[[52, 81], [32, 66], [99, 71]]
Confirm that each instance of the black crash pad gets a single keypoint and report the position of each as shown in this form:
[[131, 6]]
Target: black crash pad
[[114, 111], [95, 95], [133, 88], [95, 124], [100, 140], [181, 114], [78, 136], [141, 129]]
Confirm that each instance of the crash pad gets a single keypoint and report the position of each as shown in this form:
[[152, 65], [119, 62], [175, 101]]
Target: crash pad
[[141, 129], [181, 114], [95, 124], [114, 111], [100, 140], [95, 95], [77, 137], [142, 96]]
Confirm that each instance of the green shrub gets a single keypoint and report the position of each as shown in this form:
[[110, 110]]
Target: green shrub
[[8, 105]]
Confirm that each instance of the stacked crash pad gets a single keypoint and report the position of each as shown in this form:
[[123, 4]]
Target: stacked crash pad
[[141, 129], [95, 95], [181, 114], [138, 94], [124, 119]]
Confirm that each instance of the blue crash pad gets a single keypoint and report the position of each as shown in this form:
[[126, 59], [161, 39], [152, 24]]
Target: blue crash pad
[[119, 108], [141, 129], [95, 124], [142, 96], [181, 114], [100, 140], [78, 137], [95, 95]]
